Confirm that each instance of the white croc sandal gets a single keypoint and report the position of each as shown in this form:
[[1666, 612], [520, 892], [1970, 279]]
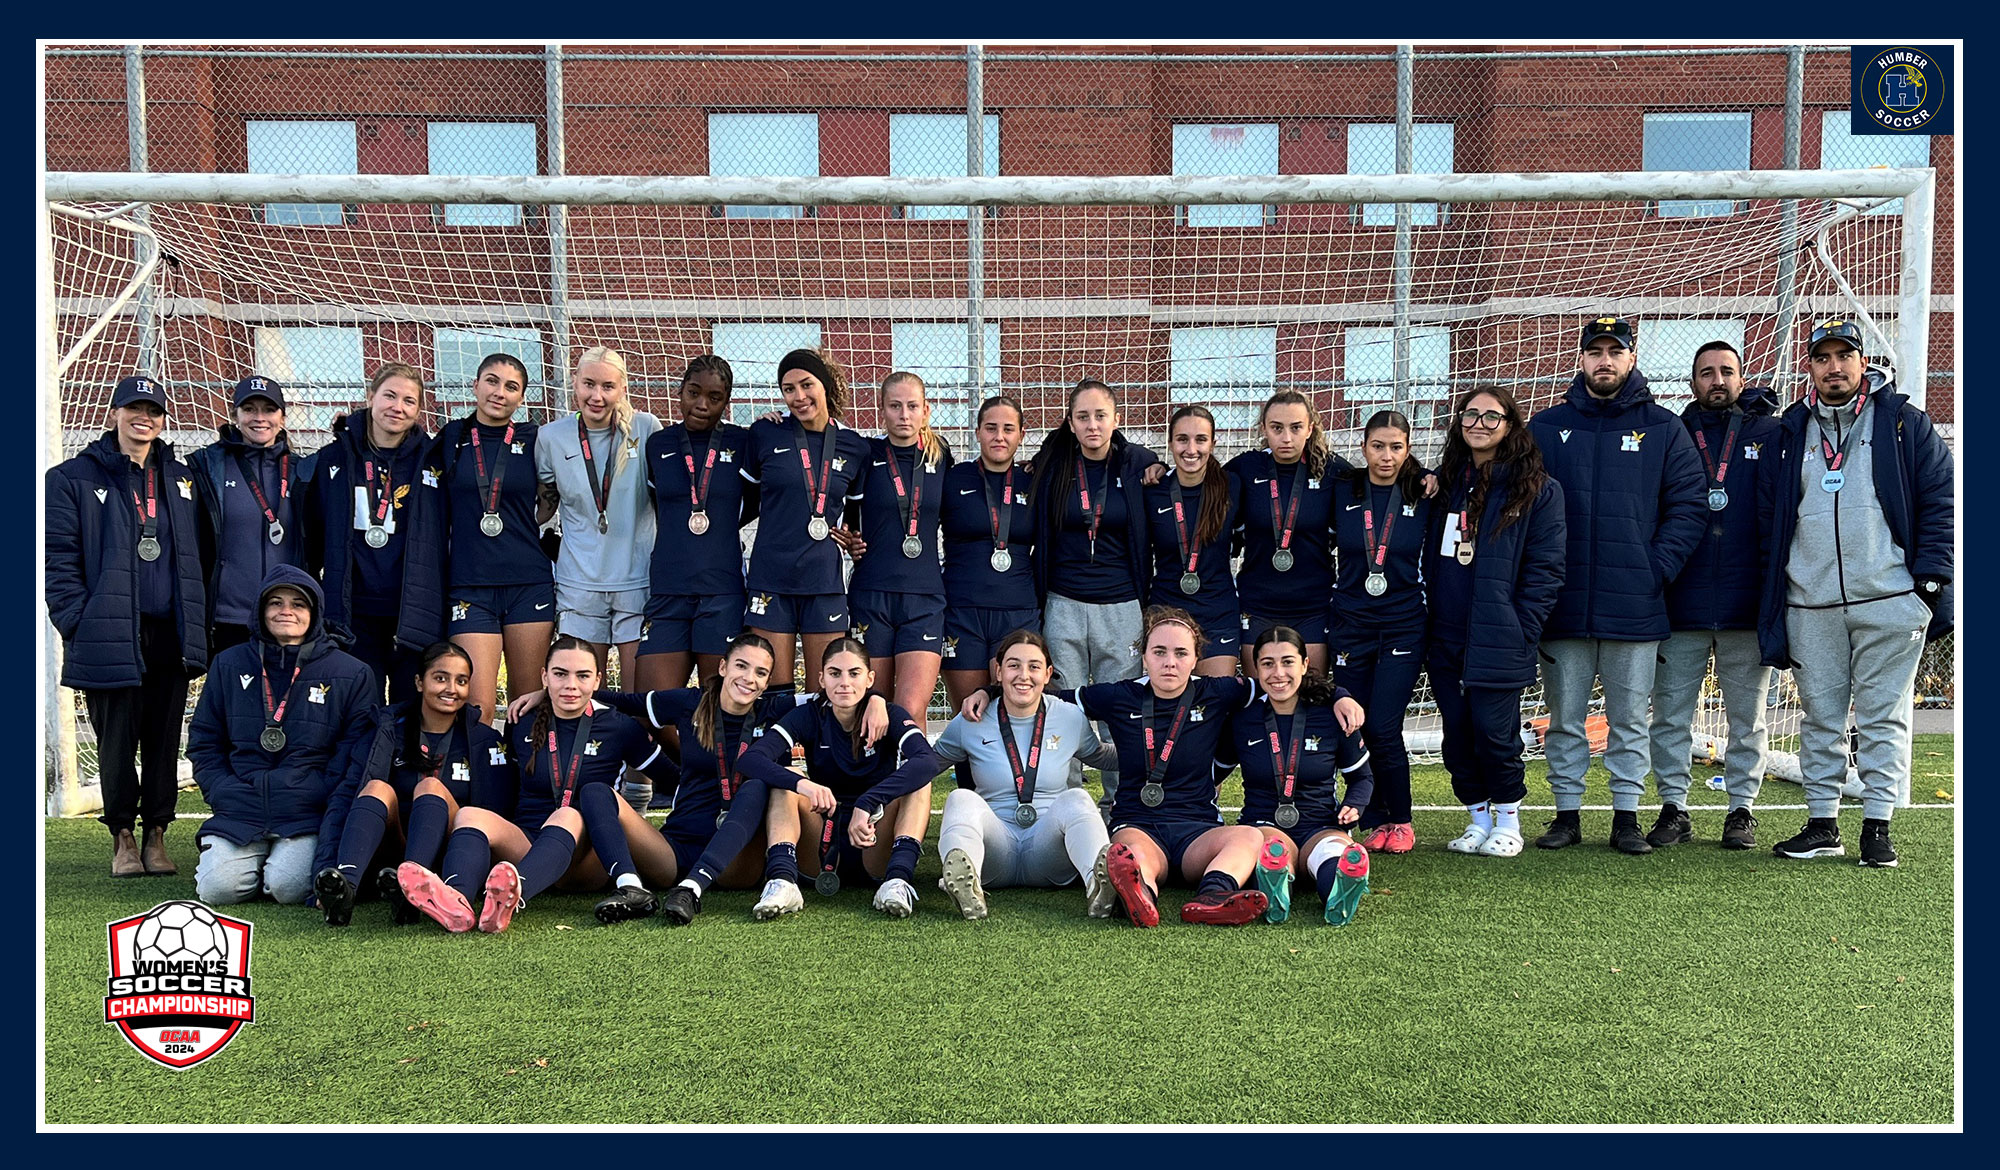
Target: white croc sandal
[[1501, 843], [1469, 841]]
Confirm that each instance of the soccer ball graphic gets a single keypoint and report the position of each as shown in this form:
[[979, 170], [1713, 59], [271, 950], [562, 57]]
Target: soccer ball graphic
[[180, 932]]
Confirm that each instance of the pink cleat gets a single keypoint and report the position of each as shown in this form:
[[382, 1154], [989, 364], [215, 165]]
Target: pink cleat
[[1378, 838], [1402, 839], [503, 897], [437, 901]]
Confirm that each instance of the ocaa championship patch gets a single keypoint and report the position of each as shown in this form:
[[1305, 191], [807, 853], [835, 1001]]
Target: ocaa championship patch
[[180, 982], [1902, 89]]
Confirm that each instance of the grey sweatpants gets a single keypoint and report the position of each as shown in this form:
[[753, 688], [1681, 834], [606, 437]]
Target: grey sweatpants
[[1683, 666], [1569, 665], [1092, 644], [1054, 851], [1865, 656]]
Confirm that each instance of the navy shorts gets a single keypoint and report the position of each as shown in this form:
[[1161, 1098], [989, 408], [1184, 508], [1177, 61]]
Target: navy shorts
[[676, 624], [897, 623], [797, 613], [1173, 838], [485, 609], [1222, 628], [1313, 625], [971, 633], [687, 850]]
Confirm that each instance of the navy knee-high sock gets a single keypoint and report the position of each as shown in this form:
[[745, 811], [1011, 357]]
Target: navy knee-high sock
[[1217, 882], [547, 860], [430, 818], [903, 859], [782, 861], [746, 815], [1324, 875], [599, 806], [367, 822], [467, 857]]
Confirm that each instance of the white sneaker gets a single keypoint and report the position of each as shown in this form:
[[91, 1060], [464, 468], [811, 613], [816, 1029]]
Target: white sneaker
[[779, 897], [961, 881], [1470, 840], [1099, 895], [1501, 843], [897, 898]]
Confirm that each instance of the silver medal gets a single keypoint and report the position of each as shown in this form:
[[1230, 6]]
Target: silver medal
[[721, 817], [149, 548], [1377, 585], [1024, 815], [816, 528], [490, 524], [277, 533], [1464, 553], [1718, 499], [1282, 560], [697, 522], [827, 883], [603, 524], [377, 536], [1288, 815], [1001, 560], [913, 547], [1152, 795], [1190, 583], [273, 739], [1831, 481]]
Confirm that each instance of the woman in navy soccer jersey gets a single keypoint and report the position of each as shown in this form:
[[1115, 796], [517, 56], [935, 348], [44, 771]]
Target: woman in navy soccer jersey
[[1379, 612], [702, 501], [1285, 513], [863, 806], [1190, 515], [1297, 748], [896, 596], [502, 593], [430, 756], [564, 824], [989, 579], [808, 468]]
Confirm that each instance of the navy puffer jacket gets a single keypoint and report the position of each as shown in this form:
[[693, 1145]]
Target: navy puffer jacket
[[90, 576], [1718, 589], [329, 477], [328, 720], [1515, 580], [214, 466], [1637, 506]]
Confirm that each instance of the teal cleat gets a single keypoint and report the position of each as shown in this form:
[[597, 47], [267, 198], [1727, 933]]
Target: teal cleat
[[1274, 878], [1348, 885]]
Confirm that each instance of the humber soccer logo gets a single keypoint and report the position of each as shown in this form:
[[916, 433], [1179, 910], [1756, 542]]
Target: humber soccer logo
[[1900, 89], [180, 982]]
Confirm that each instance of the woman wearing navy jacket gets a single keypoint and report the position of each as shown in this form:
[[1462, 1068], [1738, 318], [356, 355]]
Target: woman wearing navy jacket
[[1493, 563], [853, 783], [1378, 618], [249, 521], [1190, 516], [429, 757], [808, 468], [274, 735], [989, 576], [374, 531], [502, 589], [123, 582], [702, 501]]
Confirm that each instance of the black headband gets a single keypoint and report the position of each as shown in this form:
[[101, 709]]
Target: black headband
[[807, 360]]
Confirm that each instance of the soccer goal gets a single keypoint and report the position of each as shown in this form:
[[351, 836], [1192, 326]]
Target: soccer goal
[[1364, 292]]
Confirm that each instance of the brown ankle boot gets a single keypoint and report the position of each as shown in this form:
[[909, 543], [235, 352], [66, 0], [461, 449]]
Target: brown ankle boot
[[125, 856], [158, 863]]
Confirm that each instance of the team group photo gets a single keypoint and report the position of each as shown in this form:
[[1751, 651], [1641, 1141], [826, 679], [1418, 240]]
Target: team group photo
[[548, 575]]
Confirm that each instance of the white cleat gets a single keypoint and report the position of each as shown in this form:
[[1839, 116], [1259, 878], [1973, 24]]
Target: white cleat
[[779, 897], [961, 881], [896, 898], [1471, 840], [1099, 895], [1501, 843]]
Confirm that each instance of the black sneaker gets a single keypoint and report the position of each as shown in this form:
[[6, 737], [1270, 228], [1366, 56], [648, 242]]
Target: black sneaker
[[391, 891], [627, 902], [336, 896], [1625, 834], [1876, 848], [1566, 830], [1739, 830], [1673, 828], [679, 906], [1820, 838]]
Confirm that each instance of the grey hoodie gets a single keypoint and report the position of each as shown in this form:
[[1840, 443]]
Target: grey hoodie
[[1842, 550]]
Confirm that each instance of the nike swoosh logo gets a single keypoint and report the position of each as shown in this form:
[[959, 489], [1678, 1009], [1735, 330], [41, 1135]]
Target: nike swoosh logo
[[881, 463], [930, 637], [543, 606], [1400, 653], [779, 450], [967, 491], [1351, 507], [1132, 714], [833, 617], [1260, 481], [1161, 511]]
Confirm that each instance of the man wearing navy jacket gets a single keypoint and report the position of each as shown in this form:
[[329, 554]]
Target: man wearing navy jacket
[[1858, 520], [1713, 603], [1632, 489]]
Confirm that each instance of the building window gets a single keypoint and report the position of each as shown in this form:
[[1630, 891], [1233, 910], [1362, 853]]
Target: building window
[[1231, 369], [754, 349], [1371, 372], [932, 146], [301, 148], [319, 367], [940, 353], [1841, 149], [763, 144], [1696, 142], [482, 148], [459, 352], [1666, 353], [1371, 150], [1226, 150]]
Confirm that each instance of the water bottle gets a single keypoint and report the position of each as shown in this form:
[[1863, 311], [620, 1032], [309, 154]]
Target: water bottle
[[1716, 783]]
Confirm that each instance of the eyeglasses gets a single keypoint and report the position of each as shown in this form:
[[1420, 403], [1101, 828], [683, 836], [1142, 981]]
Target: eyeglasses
[[1487, 419]]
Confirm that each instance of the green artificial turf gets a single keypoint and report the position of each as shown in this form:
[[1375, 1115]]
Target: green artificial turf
[[1690, 986]]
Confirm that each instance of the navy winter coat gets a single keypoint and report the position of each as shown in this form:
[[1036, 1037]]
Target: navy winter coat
[[329, 477], [1516, 576], [1637, 504], [91, 573], [1720, 585], [214, 466], [329, 718], [1129, 461], [1912, 481]]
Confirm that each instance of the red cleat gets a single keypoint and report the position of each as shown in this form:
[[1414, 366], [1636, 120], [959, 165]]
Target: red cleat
[[1139, 902], [1219, 909], [503, 897], [1402, 839], [438, 902]]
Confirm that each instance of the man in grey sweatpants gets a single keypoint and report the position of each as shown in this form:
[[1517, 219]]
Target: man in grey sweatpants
[[1859, 522]]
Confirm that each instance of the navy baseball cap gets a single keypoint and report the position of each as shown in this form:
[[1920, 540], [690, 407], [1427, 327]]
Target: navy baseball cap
[[1614, 327], [139, 388], [258, 386], [1835, 330]]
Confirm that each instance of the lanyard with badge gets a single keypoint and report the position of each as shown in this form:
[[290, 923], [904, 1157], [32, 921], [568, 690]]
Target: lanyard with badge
[[1281, 531], [1718, 496], [275, 528], [381, 494], [698, 492], [1378, 555], [1024, 773], [272, 738], [1092, 517], [489, 489], [909, 503], [1191, 558], [149, 516], [1001, 516], [1835, 456], [1284, 765], [817, 527]]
